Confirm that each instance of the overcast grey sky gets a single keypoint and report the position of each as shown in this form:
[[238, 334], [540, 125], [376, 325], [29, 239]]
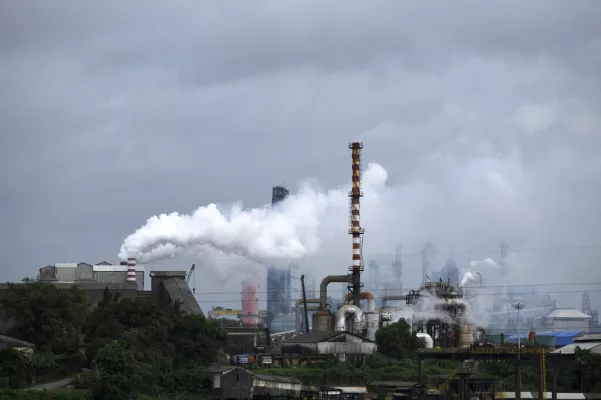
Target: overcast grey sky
[[486, 116]]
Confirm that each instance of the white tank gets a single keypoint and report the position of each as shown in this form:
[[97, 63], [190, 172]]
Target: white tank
[[345, 311], [427, 339]]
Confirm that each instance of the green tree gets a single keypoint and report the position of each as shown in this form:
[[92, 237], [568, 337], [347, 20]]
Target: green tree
[[397, 341], [195, 339], [15, 367], [45, 315], [120, 374], [114, 315]]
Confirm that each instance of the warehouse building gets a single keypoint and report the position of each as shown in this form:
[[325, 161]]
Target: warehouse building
[[103, 272]]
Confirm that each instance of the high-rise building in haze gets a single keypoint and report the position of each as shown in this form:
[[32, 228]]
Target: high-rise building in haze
[[292, 284], [279, 279], [279, 194], [276, 293]]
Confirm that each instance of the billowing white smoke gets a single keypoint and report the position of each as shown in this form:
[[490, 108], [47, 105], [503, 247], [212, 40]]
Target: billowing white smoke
[[471, 277], [425, 310], [289, 230], [487, 263]]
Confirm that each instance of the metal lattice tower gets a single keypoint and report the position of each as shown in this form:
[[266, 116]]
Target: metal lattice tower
[[355, 222], [586, 303]]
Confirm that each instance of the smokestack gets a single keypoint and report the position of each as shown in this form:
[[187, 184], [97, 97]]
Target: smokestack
[[355, 221], [131, 270], [428, 259]]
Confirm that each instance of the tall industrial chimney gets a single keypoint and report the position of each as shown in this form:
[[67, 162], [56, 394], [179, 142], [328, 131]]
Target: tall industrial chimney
[[355, 222], [504, 251], [131, 270], [397, 268], [428, 260]]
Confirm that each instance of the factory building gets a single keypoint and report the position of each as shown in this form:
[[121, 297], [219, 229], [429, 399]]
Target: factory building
[[568, 320], [82, 272], [169, 289]]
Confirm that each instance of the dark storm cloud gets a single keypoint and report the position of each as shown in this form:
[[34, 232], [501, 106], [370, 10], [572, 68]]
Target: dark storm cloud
[[111, 112]]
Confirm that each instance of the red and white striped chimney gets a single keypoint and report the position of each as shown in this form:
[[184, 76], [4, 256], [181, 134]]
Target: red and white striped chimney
[[131, 270]]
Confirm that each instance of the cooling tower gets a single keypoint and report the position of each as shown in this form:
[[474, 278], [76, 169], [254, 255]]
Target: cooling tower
[[250, 303]]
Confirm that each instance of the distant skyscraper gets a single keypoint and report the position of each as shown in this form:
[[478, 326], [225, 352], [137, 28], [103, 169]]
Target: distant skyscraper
[[276, 293], [279, 194], [310, 286], [292, 284]]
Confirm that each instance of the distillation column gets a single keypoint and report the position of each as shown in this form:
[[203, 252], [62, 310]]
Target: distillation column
[[355, 223]]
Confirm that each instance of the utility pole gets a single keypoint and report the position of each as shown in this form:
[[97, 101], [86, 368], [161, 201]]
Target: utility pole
[[306, 312], [518, 375]]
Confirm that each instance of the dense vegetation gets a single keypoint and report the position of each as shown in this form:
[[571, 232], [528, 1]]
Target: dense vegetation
[[129, 346]]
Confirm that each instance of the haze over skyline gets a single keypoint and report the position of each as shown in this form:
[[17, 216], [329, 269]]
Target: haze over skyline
[[485, 119]]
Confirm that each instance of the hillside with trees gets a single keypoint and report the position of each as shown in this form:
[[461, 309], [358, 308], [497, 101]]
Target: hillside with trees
[[126, 347]]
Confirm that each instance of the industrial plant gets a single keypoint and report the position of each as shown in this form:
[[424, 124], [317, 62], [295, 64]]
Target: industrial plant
[[306, 324], [303, 322]]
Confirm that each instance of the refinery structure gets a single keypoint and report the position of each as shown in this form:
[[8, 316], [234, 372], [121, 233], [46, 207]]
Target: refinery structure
[[444, 310], [303, 322]]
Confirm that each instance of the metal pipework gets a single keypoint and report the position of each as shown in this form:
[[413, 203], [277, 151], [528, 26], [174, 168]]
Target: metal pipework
[[323, 288], [395, 297], [371, 300], [347, 311], [297, 312]]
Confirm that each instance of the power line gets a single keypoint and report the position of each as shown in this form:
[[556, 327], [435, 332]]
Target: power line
[[465, 287], [474, 295], [443, 253]]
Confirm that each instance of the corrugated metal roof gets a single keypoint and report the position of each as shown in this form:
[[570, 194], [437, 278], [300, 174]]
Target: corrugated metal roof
[[277, 378], [315, 337], [568, 313], [65, 265], [594, 347], [562, 338], [591, 337], [7, 341], [179, 292]]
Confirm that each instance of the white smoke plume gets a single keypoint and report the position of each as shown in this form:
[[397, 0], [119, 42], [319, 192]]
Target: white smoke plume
[[471, 277], [288, 230], [487, 263]]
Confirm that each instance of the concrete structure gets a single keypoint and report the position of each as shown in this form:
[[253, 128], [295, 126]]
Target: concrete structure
[[171, 291], [568, 319], [345, 346], [250, 302]]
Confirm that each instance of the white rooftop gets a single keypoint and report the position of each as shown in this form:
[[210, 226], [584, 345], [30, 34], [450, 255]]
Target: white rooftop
[[594, 347], [568, 313]]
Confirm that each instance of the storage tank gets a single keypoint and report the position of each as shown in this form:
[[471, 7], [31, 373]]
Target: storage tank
[[323, 321], [466, 336]]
